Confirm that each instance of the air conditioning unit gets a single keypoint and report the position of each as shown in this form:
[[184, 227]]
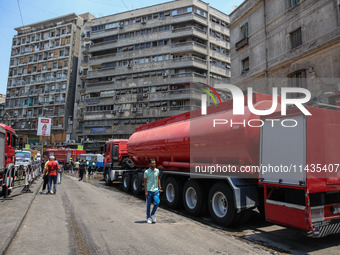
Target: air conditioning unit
[[133, 109], [164, 108], [113, 112], [145, 94]]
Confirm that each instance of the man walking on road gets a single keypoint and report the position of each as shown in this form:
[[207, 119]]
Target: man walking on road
[[152, 186], [52, 168], [82, 169]]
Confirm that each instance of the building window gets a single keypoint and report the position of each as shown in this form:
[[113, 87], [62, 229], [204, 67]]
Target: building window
[[292, 3], [296, 38], [244, 30], [245, 65], [297, 80]]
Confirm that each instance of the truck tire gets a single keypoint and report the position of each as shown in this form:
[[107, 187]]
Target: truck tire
[[194, 197], [107, 178], [221, 204], [126, 182], [136, 184], [173, 192]]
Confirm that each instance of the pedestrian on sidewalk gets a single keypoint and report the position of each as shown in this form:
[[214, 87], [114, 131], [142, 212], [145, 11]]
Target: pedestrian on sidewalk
[[82, 170], [45, 177], [52, 168], [60, 173], [152, 187]]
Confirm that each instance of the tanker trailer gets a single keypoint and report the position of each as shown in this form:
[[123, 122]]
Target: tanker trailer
[[182, 143]]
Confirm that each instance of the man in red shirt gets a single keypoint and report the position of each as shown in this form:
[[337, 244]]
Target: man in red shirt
[[52, 168]]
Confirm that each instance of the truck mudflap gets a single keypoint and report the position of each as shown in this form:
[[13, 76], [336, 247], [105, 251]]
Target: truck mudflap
[[325, 228]]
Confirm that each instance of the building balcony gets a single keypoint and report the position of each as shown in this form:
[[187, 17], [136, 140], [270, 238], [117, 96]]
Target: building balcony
[[57, 127], [149, 67], [220, 71], [175, 33], [188, 31], [220, 56], [85, 49], [169, 20], [129, 55], [243, 42], [147, 81], [189, 46], [92, 101], [187, 62]]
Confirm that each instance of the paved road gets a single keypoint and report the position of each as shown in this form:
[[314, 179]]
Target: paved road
[[86, 219]]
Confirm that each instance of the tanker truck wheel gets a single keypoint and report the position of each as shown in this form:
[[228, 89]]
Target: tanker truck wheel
[[221, 204], [107, 178], [173, 192], [194, 197], [126, 182], [136, 184]]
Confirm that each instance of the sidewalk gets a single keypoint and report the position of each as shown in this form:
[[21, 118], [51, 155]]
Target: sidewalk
[[13, 212]]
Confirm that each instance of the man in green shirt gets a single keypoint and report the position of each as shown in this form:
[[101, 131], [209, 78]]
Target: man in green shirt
[[152, 186]]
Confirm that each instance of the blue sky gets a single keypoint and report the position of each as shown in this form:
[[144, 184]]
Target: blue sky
[[39, 10]]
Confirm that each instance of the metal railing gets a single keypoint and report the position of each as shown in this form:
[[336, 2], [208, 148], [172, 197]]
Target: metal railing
[[19, 176]]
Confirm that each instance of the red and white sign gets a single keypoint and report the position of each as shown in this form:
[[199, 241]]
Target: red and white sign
[[44, 127]]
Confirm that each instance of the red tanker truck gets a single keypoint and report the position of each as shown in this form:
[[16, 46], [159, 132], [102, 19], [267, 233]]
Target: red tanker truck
[[287, 166]]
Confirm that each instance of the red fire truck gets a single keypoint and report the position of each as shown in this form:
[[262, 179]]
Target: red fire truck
[[286, 165], [64, 155], [8, 140]]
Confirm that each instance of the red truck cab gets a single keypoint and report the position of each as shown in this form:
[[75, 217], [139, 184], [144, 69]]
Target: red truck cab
[[115, 151]]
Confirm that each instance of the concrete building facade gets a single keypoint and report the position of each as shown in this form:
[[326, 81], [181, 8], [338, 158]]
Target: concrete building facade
[[298, 40], [140, 65], [2, 106], [42, 77]]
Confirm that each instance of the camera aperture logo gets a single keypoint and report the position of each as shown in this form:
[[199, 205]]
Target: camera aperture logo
[[239, 105]]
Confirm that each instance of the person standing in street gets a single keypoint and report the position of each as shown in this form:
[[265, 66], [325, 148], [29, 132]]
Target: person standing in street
[[76, 166], [71, 166], [45, 177], [52, 168], [60, 173], [82, 169], [152, 187], [87, 167]]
